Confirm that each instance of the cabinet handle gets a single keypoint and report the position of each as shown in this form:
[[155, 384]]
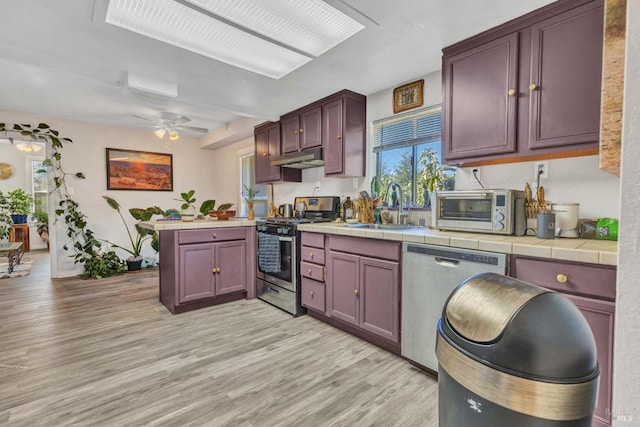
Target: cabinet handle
[[533, 86], [339, 137], [295, 132], [213, 270], [311, 254], [562, 278], [355, 291], [311, 292], [264, 154], [213, 235], [301, 130], [512, 92], [309, 271]]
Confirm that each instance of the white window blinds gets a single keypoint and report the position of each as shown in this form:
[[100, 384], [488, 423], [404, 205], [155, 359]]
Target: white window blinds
[[406, 129]]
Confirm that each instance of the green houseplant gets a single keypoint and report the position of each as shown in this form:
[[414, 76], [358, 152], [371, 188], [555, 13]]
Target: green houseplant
[[134, 262], [188, 209], [5, 219], [19, 205]]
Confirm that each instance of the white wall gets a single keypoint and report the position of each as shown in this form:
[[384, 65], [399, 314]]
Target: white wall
[[192, 169], [626, 371], [226, 173]]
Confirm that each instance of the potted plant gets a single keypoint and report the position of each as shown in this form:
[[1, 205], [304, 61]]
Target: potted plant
[[5, 219], [42, 225], [249, 196], [188, 209], [134, 262], [223, 213], [19, 205]]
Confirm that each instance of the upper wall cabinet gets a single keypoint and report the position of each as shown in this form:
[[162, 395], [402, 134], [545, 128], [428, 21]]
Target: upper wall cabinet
[[344, 134], [529, 88], [301, 130], [267, 146]]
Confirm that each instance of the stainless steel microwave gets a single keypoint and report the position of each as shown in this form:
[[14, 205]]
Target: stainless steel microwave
[[482, 211]]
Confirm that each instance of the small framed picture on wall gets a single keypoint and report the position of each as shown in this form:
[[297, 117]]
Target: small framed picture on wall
[[408, 96]]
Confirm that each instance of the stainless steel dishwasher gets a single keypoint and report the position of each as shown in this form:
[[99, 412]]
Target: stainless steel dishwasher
[[429, 274]]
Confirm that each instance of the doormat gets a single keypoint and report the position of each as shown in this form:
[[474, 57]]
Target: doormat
[[19, 270]]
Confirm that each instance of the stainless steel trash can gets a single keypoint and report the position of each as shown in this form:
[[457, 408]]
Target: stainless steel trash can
[[514, 354]]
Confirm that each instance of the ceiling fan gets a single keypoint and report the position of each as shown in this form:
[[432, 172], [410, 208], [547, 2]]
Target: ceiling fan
[[171, 124]]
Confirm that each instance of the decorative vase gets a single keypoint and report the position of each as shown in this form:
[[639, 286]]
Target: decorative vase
[[250, 215], [134, 265], [188, 214]]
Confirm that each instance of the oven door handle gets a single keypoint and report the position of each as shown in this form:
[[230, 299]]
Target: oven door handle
[[285, 239]]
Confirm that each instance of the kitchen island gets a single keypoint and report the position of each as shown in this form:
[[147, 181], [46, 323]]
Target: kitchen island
[[205, 262]]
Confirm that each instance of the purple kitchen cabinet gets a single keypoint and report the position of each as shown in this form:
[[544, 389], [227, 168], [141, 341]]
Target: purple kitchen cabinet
[[204, 267], [267, 147], [301, 130], [364, 291], [529, 87], [566, 73], [480, 100], [343, 286], [592, 289], [343, 135], [230, 259], [379, 298]]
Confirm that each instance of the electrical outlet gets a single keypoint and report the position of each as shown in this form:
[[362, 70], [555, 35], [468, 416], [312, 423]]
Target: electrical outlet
[[541, 166], [476, 173]]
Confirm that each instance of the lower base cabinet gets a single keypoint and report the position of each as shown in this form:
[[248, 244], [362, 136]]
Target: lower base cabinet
[[592, 290], [205, 267], [363, 286]]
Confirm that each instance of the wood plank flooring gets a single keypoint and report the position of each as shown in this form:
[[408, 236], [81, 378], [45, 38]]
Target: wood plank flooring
[[94, 353]]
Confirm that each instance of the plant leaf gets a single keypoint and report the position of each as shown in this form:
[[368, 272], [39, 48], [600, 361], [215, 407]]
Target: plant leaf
[[225, 206], [111, 202], [206, 206]]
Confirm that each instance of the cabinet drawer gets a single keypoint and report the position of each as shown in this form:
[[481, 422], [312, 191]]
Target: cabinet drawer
[[374, 248], [312, 271], [581, 279], [313, 255], [312, 294], [210, 235], [315, 240]]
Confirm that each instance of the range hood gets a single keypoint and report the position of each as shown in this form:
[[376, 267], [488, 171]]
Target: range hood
[[310, 158]]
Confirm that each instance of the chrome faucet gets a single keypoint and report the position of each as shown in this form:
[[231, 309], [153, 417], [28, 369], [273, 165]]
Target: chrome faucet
[[401, 213]]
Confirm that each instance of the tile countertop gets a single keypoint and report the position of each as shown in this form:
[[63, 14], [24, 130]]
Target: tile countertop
[[193, 225], [581, 250]]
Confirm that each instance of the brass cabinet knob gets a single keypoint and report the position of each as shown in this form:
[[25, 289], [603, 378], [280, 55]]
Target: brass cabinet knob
[[213, 270], [295, 132], [309, 271], [512, 92], [301, 130], [339, 137], [311, 254], [562, 278], [213, 235], [355, 291], [533, 86], [311, 292], [264, 154]]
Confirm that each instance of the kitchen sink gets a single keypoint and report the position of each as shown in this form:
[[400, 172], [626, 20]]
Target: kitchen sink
[[384, 226]]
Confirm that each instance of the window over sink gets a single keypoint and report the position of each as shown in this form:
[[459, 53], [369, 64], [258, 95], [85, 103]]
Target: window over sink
[[398, 142]]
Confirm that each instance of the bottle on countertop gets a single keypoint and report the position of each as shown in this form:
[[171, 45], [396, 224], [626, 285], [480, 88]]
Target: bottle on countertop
[[348, 208]]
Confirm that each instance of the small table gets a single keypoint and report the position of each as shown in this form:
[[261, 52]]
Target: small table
[[14, 253], [20, 233]]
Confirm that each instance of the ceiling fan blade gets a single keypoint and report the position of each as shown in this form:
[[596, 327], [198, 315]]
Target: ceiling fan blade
[[181, 120], [142, 118], [192, 129], [167, 116]]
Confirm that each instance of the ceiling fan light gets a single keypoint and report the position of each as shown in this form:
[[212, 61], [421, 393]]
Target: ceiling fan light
[[160, 133], [28, 147], [173, 135]]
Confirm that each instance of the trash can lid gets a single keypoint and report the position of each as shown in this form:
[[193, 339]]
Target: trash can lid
[[520, 328]]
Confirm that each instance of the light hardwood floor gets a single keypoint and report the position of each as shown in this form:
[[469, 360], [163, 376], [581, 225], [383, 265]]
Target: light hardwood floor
[[92, 353]]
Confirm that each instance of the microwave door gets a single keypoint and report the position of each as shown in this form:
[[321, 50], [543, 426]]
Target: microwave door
[[466, 213]]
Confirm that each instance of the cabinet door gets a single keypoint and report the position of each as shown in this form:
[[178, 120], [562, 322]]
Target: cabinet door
[[566, 72], [600, 316], [343, 278], [196, 275], [267, 145], [332, 137], [379, 298], [311, 128], [230, 259], [480, 100], [290, 133]]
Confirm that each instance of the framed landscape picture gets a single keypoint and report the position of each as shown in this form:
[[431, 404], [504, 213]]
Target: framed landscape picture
[[139, 170]]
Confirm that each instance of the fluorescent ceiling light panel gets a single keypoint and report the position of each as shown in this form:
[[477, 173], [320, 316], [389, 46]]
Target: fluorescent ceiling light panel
[[173, 23], [310, 26]]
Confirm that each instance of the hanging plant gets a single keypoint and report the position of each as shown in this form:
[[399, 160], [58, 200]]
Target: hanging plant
[[87, 249]]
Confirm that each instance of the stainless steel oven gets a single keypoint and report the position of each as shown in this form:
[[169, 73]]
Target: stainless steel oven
[[278, 278]]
